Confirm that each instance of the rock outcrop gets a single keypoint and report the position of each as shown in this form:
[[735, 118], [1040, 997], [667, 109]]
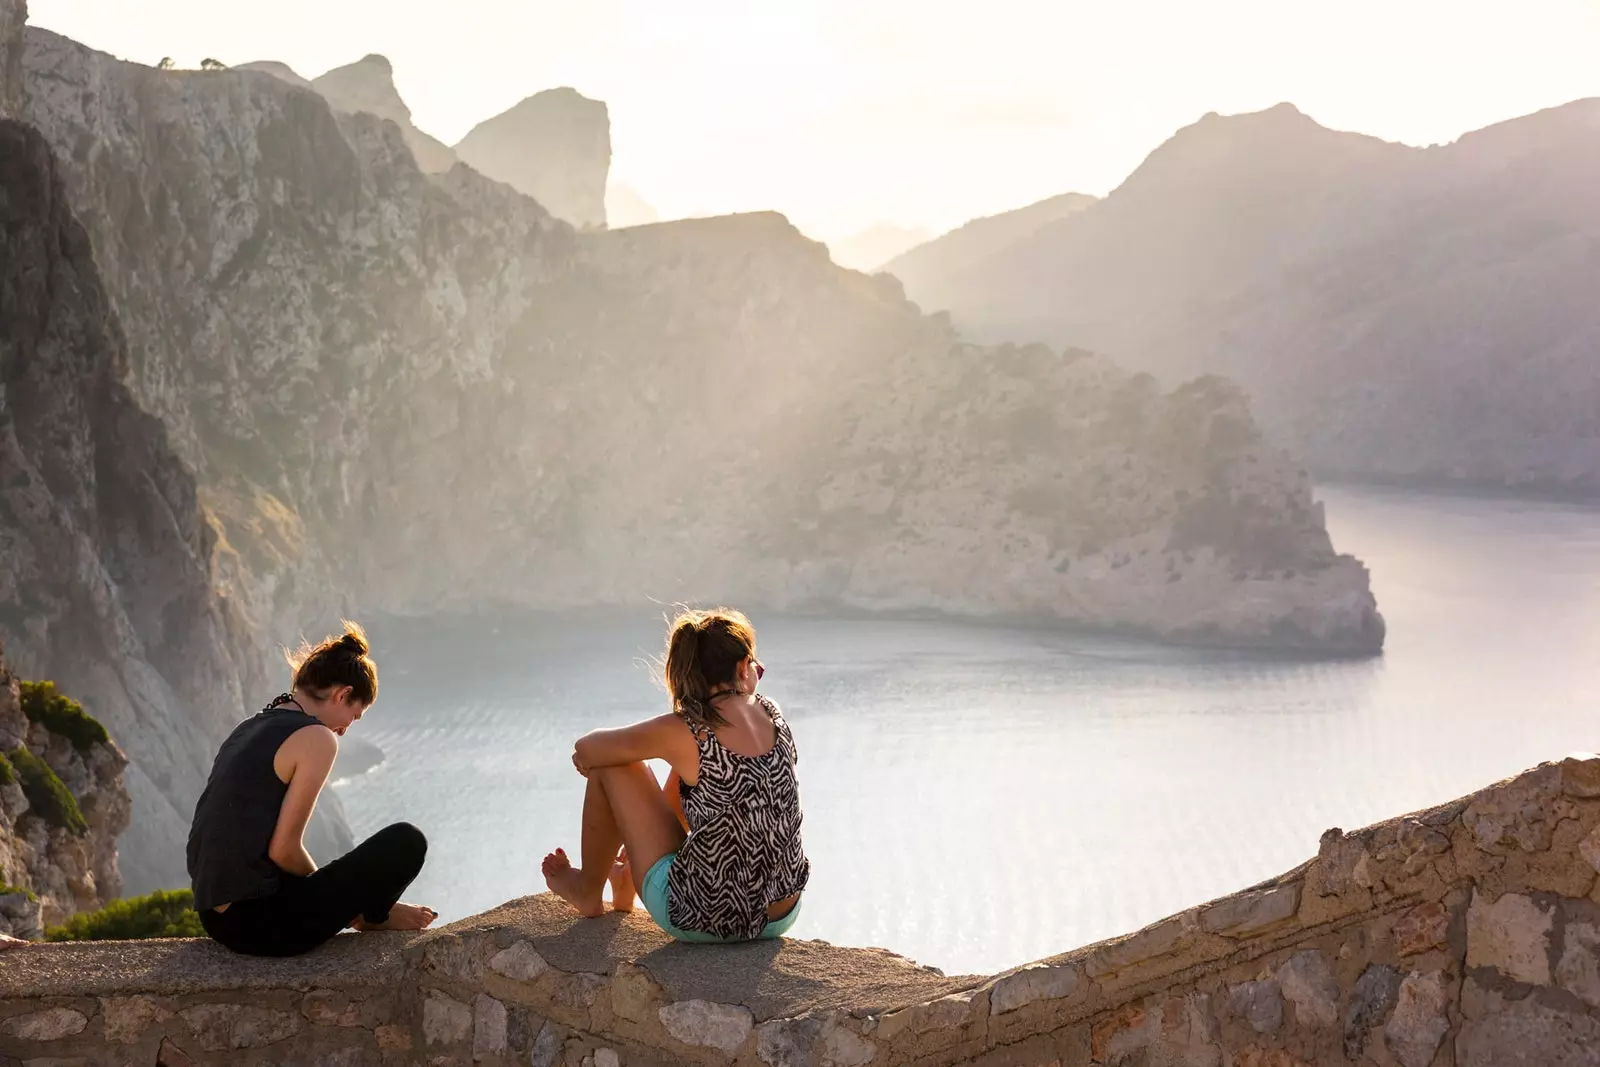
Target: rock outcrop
[[555, 146], [397, 368], [1396, 313], [367, 86], [56, 857], [1467, 934], [106, 556]]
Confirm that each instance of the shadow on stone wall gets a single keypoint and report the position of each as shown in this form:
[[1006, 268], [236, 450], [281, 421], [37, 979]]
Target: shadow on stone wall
[[1463, 936]]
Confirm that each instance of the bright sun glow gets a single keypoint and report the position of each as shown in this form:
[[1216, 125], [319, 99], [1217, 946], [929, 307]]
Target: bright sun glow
[[845, 113]]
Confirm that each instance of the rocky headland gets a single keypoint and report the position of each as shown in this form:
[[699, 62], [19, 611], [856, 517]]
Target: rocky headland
[[1412, 315], [348, 385]]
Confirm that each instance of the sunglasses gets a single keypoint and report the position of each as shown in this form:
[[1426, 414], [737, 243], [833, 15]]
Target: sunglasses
[[760, 670]]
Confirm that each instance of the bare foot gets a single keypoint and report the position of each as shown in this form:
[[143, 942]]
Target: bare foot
[[401, 917], [623, 894], [566, 881]]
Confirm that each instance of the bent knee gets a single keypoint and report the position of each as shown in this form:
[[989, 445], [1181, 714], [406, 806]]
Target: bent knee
[[406, 839]]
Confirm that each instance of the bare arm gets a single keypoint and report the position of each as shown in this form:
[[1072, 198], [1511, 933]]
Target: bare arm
[[664, 737], [304, 762]]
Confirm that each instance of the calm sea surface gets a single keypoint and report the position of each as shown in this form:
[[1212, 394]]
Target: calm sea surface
[[977, 797]]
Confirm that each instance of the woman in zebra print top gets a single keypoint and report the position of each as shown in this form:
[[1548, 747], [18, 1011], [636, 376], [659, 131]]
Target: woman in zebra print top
[[716, 854]]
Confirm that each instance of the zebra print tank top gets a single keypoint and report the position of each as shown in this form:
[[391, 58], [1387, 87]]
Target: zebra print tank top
[[743, 851]]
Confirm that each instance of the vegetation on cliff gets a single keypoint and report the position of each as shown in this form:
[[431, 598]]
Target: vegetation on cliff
[[43, 703], [47, 795], [164, 913]]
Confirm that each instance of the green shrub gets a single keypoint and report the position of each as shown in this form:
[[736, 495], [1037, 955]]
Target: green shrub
[[164, 913], [43, 703], [6, 890], [46, 794], [8, 774]]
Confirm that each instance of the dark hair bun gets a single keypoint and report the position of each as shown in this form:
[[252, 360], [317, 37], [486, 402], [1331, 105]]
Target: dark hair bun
[[353, 642]]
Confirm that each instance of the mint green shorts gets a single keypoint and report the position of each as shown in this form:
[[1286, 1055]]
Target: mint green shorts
[[654, 895]]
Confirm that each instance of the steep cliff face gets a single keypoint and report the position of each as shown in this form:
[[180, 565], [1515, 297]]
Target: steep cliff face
[[55, 859], [13, 13], [105, 554], [1397, 313], [367, 86], [555, 146], [408, 394]]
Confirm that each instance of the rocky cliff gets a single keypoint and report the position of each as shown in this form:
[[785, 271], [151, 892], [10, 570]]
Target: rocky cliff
[[555, 146], [391, 368], [106, 556], [13, 13], [62, 805], [367, 86], [408, 393], [1395, 313]]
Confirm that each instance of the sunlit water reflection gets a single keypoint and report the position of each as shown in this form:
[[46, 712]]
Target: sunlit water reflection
[[975, 796]]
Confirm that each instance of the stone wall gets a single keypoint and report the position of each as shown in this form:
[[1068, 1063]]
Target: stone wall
[[1463, 936]]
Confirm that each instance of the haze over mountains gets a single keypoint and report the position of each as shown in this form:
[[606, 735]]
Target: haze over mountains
[[1395, 313], [336, 382]]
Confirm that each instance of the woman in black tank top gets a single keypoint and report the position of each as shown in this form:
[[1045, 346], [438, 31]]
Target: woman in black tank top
[[256, 888]]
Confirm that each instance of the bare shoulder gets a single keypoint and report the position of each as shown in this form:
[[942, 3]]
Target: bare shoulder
[[312, 742]]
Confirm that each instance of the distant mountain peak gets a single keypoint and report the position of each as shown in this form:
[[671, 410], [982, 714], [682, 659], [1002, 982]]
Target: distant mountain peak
[[554, 146]]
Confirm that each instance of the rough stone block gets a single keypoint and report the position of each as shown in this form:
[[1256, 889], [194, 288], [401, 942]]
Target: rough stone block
[[445, 1020], [701, 1022], [606, 1057], [217, 1027], [1424, 927], [1418, 1022], [1308, 983], [842, 1046], [1370, 1001], [52, 1024], [1036, 982], [1251, 913], [1256, 1056], [789, 1042], [1589, 848], [520, 962], [127, 1018], [1515, 816], [1511, 935], [634, 994], [488, 1027], [392, 1038], [170, 1055], [1498, 1032], [1580, 775], [1578, 972], [1120, 1032], [546, 1047], [1161, 939], [1258, 1003]]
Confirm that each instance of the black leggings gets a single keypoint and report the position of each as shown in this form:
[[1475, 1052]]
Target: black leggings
[[308, 910]]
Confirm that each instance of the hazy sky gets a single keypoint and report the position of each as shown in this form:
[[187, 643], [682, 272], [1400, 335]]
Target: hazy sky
[[841, 113]]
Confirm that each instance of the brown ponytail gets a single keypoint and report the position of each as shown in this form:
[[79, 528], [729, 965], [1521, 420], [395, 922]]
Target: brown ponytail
[[704, 650], [337, 661]]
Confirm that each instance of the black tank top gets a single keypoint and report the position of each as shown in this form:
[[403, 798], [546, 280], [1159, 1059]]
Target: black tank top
[[238, 811]]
